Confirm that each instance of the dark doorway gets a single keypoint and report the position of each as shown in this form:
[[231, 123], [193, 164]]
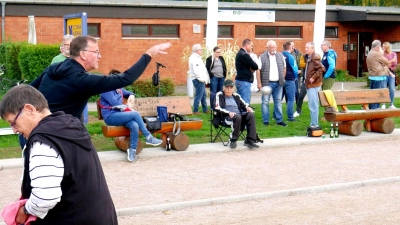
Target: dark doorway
[[358, 46]]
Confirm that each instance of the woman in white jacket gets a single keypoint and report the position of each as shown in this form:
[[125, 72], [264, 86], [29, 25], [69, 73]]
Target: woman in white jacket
[[200, 77]]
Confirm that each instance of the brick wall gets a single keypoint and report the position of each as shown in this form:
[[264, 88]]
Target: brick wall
[[118, 53]]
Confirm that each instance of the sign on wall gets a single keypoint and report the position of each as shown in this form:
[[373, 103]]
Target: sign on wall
[[75, 24], [246, 16]]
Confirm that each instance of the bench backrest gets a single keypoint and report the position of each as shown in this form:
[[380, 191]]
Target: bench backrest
[[357, 97], [148, 106]]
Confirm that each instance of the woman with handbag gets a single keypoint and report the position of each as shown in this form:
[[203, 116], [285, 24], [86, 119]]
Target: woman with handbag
[[391, 78], [115, 115]]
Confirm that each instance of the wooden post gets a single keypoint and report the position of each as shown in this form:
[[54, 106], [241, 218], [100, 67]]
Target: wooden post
[[179, 142], [353, 128], [122, 143], [385, 126]]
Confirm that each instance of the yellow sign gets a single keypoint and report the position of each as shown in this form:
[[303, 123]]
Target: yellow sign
[[74, 26]]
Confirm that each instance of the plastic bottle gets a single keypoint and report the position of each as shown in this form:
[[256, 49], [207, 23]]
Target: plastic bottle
[[337, 130], [332, 132]]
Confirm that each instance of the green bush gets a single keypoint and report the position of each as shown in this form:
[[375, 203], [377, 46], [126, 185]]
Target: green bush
[[343, 76], [13, 70], [145, 88], [3, 47], [33, 59]]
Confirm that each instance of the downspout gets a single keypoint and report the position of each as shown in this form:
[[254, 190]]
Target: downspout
[[3, 12]]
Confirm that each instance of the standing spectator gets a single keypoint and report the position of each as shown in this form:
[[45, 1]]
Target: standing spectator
[[290, 79], [63, 181], [377, 69], [391, 80], [254, 85], [130, 119], [216, 68], [272, 73], [245, 68], [301, 90], [329, 61], [64, 48], [68, 86], [200, 78], [313, 81]]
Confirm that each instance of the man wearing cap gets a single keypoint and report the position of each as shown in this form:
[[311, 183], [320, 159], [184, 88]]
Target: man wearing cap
[[236, 113]]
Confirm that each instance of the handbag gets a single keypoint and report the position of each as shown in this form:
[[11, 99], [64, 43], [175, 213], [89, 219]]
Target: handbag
[[153, 123], [314, 132], [162, 113]]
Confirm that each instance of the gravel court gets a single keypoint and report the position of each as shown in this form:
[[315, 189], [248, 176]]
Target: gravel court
[[371, 205], [180, 178]]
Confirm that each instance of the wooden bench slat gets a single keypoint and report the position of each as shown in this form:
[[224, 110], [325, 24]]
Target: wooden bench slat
[[116, 131], [357, 97], [175, 104], [362, 115]]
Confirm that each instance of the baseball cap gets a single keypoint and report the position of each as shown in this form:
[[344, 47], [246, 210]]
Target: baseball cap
[[229, 83]]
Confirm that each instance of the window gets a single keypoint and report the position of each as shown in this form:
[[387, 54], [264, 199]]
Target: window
[[94, 29], [150, 30], [331, 32], [278, 32], [224, 31]]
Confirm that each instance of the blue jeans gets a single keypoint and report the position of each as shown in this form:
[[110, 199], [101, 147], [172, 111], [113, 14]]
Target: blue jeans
[[376, 84], [313, 104], [216, 84], [276, 95], [391, 84], [200, 96], [131, 120], [290, 88], [243, 89]]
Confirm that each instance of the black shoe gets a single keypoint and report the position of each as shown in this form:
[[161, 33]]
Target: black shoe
[[282, 124], [250, 143], [266, 123], [233, 144]]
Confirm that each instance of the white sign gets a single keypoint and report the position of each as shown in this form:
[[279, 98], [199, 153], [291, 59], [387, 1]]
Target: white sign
[[246, 16]]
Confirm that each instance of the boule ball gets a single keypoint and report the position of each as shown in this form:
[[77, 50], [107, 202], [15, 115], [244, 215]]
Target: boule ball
[[266, 90]]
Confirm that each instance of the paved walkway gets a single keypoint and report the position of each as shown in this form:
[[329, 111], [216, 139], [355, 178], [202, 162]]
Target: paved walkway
[[252, 186]]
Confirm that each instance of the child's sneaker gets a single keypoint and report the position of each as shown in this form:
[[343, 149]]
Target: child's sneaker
[[153, 141]]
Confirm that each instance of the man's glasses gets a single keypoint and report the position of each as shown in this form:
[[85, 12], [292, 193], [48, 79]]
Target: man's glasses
[[12, 124], [97, 52]]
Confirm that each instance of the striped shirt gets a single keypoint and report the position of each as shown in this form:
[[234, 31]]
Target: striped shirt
[[46, 170]]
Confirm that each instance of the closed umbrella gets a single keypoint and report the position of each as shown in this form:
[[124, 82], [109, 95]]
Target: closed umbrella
[[31, 30]]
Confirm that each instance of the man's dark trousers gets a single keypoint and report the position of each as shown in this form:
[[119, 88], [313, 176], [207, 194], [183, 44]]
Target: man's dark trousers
[[239, 122]]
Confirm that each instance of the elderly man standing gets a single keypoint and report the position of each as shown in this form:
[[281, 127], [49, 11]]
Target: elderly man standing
[[272, 73], [313, 81], [377, 69], [63, 182], [64, 48], [200, 78], [245, 68], [329, 61]]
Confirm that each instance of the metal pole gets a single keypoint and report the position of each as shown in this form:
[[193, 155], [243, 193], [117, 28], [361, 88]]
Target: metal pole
[[3, 12]]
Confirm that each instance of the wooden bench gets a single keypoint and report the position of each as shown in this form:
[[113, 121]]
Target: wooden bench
[[375, 120], [148, 107]]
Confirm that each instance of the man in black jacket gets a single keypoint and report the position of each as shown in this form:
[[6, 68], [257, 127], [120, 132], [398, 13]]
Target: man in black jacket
[[63, 181], [245, 67], [67, 86], [236, 113]]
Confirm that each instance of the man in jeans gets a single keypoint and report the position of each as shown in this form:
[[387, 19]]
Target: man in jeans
[[377, 69], [272, 73], [313, 80], [245, 67], [290, 80]]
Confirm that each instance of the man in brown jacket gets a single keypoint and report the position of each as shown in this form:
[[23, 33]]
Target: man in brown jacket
[[313, 80], [377, 69]]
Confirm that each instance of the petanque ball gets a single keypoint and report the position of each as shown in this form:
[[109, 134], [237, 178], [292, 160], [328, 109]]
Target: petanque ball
[[266, 90]]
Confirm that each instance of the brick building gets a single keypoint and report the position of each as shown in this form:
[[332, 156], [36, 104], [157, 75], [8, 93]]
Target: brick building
[[128, 28]]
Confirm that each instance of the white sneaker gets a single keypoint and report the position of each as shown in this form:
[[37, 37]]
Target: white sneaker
[[296, 114], [392, 107], [383, 106]]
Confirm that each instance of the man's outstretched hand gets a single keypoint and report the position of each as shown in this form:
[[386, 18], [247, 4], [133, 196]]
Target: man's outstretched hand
[[158, 49]]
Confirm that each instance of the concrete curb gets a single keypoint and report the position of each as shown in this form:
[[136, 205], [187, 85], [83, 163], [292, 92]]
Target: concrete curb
[[268, 144], [255, 196]]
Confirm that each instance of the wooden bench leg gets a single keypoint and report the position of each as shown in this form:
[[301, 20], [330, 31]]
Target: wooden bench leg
[[385, 126], [122, 143], [353, 128]]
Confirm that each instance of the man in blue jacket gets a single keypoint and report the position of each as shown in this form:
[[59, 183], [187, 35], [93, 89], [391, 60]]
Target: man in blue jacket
[[329, 61], [245, 67], [290, 79]]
